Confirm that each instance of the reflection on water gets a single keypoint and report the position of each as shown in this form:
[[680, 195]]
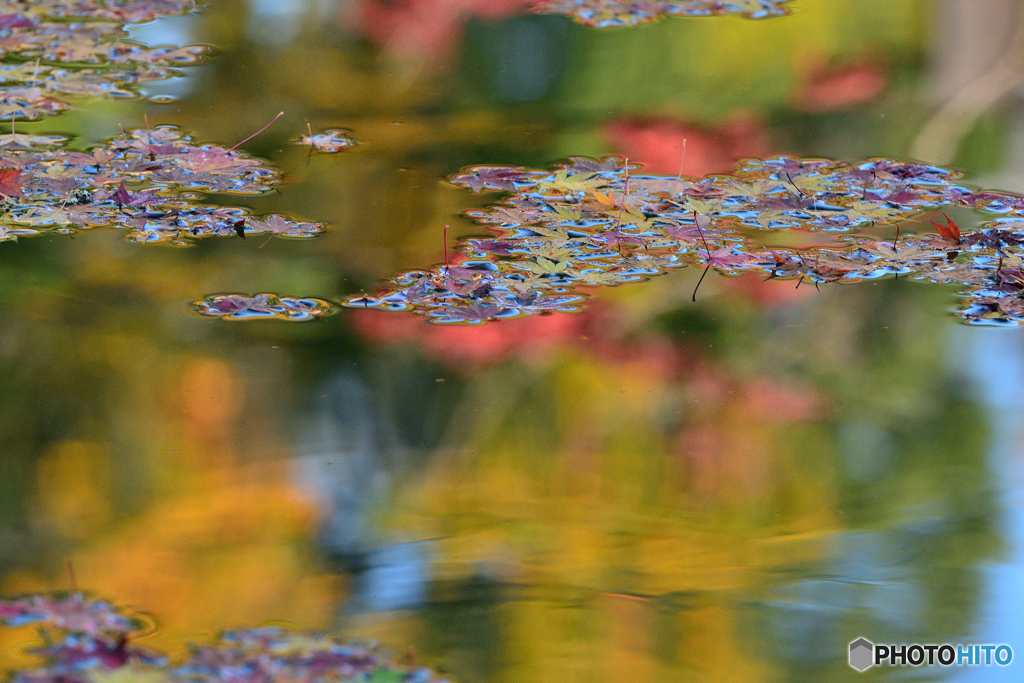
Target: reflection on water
[[649, 490]]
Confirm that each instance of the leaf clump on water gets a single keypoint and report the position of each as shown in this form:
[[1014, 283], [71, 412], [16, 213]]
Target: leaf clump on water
[[142, 181], [591, 223], [613, 13], [54, 49], [90, 641], [261, 306]]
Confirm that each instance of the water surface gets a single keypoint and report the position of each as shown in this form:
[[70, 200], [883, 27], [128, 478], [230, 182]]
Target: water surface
[[651, 489]]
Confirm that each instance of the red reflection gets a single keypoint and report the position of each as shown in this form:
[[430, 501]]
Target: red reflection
[[658, 144], [834, 88], [471, 345], [728, 446], [768, 401], [426, 28], [767, 293]]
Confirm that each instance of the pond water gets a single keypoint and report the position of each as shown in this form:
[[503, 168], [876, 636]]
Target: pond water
[[619, 424]]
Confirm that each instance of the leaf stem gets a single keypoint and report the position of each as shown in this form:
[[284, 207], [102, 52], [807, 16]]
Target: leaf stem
[[272, 122], [701, 233], [625, 195], [699, 282], [445, 245]]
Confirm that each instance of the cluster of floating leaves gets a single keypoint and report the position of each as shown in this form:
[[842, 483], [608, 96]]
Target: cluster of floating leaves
[[611, 13], [53, 49], [591, 223], [46, 186], [262, 306], [89, 641]]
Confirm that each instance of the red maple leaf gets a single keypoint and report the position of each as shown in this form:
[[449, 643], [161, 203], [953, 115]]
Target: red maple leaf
[[125, 198], [725, 258], [949, 232], [10, 182]]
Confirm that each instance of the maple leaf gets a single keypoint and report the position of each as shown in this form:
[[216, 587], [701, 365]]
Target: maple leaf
[[525, 283], [594, 276], [754, 189], [949, 232], [46, 215], [503, 215], [542, 265], [701, 206], [1003, 236], [125, 198], [908, 251], [586, 165], [616, 237], [278, 225], [901, 195], [902, 171], [574, 182], [413, 294], [474, 287], [557, 232], [10, 182], [689, 232], [554, 250], [566, 213], [476, 313], [811, 183], [766, 217], [213, 160], [727, 259], [603, 201], [479, 178], [492, 246], [30, 141], [639, 220], [869, 212], [533, 302]]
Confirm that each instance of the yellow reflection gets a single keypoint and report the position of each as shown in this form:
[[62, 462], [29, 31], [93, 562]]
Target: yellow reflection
[[74, 488]]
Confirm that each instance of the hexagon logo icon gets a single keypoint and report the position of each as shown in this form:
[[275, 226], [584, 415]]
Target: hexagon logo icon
[[862, 653]]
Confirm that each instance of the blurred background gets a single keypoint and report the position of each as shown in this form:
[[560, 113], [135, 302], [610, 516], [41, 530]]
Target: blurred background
[[651, 490]]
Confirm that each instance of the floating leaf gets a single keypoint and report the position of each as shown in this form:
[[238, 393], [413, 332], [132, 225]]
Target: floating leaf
[[330, 141]]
